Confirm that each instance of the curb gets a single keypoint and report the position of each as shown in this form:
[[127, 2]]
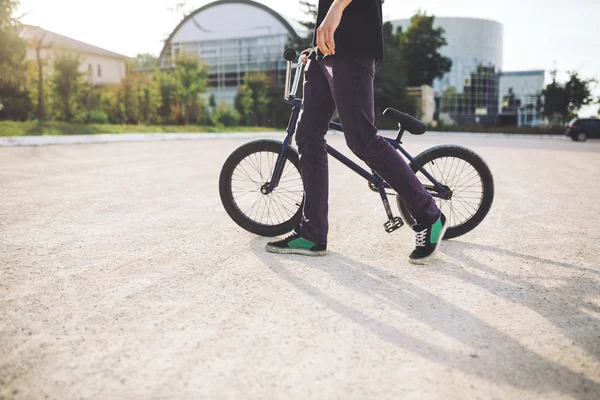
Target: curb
[[9, 141]]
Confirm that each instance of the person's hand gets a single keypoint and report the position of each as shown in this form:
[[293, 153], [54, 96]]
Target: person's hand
[[307, 52], [325, 32]]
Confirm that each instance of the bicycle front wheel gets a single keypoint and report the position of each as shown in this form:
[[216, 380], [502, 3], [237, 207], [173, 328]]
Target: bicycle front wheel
[[469, 179], [245, 172]]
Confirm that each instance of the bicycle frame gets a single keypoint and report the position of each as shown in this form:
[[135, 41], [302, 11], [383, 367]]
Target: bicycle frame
[[437, 190]]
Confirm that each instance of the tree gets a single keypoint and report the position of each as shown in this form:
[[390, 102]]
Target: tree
[[510, 102], [244, 103], [419, 46], [14, 99], [145, 61], [562, 102], [391, 79], [149, 98], [258, 83], [191, 79], [309, 9], [67, 85], [252, 100], [39, 45], [579, 93]]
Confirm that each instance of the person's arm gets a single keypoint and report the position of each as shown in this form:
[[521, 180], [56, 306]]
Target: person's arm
[[325, 39]]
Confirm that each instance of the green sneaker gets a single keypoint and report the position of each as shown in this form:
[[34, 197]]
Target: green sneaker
[[296, 244], [429, 238]]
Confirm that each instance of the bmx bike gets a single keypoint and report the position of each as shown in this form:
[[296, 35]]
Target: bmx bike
[[261, 189]]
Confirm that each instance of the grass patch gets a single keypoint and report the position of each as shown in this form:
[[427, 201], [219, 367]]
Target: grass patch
[[32, 128]]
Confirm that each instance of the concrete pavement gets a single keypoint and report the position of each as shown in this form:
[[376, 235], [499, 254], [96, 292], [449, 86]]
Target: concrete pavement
[[121, 276]]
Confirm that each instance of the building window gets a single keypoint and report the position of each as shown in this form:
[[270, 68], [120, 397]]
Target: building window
[[90, 70], [99, 71]]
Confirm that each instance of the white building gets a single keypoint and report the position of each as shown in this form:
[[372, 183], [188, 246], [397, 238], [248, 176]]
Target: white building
[[100, 65], [233, 37]]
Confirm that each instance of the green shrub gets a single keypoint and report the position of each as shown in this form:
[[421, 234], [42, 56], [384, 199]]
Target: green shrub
[[81, 117], [225, 115], [97, 117]]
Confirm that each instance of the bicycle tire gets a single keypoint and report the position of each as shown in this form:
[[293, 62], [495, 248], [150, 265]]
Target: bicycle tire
[[226, 193], [478, 164]]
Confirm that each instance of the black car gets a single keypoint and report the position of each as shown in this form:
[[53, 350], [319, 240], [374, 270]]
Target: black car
[[583, 128]]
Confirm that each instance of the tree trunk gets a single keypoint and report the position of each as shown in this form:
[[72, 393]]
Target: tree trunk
[[41, 112], [186, 112]]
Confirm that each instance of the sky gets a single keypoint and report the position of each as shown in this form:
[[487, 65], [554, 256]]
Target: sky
[[538, 34]]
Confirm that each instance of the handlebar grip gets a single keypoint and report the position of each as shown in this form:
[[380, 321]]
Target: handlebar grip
[[289, 54]]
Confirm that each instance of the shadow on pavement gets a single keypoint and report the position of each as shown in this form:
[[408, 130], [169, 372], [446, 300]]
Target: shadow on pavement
[[501, 358], [562, 306]]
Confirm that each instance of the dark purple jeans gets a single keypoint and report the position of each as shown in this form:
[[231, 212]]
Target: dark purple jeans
[[347, 84]]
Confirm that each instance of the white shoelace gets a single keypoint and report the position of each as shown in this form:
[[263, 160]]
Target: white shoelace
[[421, 237]]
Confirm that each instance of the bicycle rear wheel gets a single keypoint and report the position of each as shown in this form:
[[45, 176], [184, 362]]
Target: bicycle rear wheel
[[468, 177], [243, 175]]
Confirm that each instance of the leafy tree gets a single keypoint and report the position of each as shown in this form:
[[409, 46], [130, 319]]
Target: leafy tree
[[510, 101], [244, 103], [67, 85], [562, 102], [14, 100], [309, 8], [39, 46], [420, 46], [278, 113], [252, 100], [212, 102], [145, 61], [149, 98], [167, 86], [191, 79], [130, 106], [391, 79], [258, 84], [579, 92]]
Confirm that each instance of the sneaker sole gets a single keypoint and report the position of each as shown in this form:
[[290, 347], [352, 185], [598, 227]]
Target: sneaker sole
[[425, 260], [303, 252]]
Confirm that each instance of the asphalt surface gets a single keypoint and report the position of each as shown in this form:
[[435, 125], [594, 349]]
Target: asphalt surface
[[121, 276]]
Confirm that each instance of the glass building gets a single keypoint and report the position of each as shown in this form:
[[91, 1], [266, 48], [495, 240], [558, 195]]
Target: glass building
[[233, 37], [469, 92], [471, 42]]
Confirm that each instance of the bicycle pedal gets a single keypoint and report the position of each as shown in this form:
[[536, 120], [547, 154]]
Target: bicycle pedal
[[395, 223]]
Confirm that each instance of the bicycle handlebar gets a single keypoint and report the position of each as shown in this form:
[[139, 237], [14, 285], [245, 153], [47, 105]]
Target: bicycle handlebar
[[292, 88]]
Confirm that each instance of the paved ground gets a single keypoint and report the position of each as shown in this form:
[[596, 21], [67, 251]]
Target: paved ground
[[122, 277]]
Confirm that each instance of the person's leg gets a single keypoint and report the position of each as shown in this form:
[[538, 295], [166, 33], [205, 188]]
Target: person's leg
[[351, 81], [310, 236], [317, 110]]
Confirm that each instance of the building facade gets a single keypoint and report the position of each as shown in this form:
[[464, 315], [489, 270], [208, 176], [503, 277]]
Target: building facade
[[519, 97], [100, 66], [253, 39]]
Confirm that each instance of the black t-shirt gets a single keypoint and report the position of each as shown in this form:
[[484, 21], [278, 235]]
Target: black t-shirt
[[360, 32]]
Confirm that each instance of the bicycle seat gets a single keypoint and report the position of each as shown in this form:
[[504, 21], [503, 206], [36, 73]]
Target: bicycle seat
[[410, 124]]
